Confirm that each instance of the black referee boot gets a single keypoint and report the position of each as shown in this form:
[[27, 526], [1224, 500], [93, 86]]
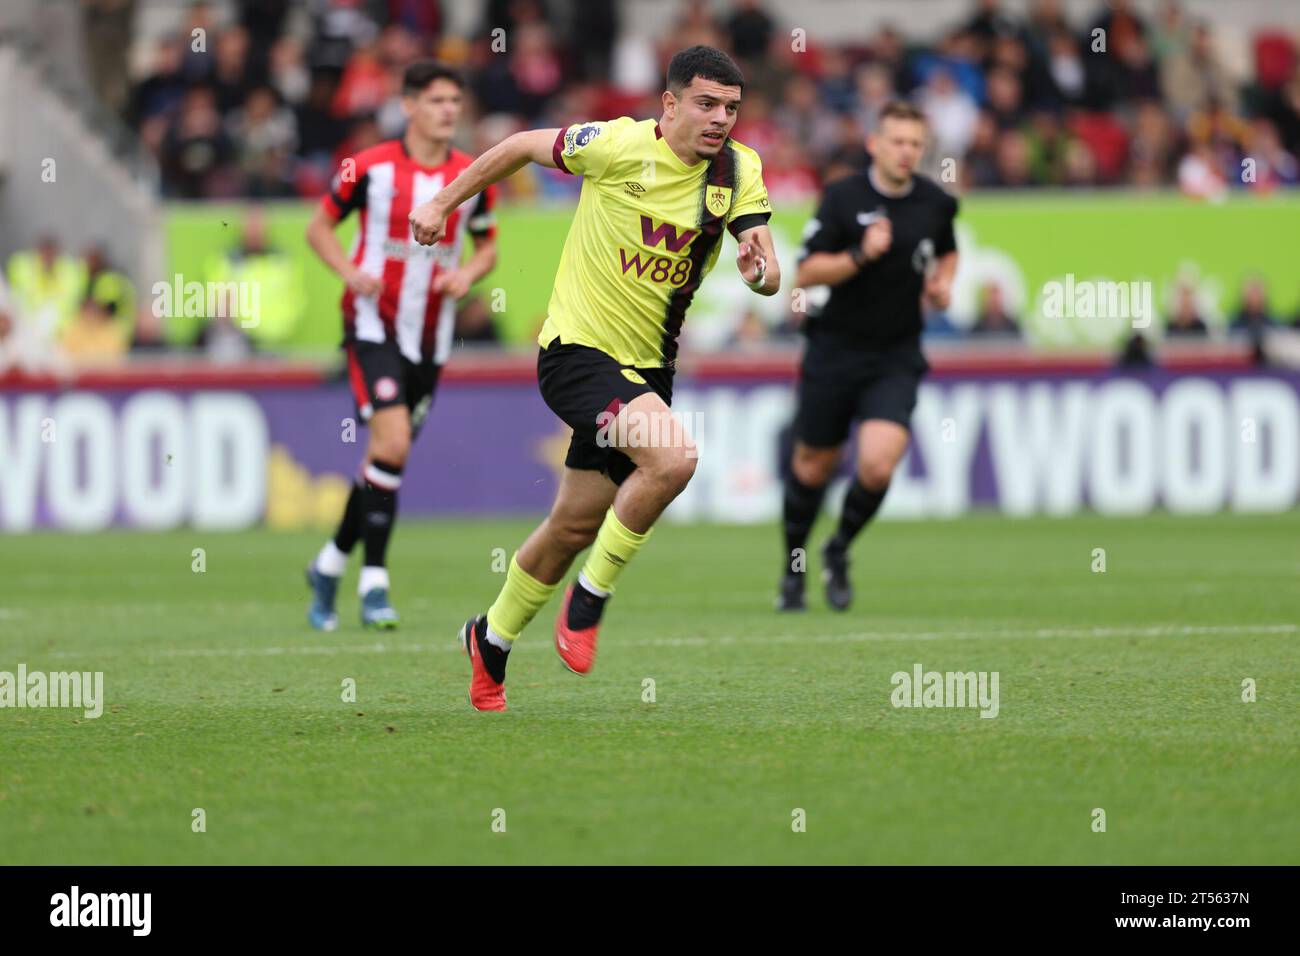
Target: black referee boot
[[835, 575], [790, 597]]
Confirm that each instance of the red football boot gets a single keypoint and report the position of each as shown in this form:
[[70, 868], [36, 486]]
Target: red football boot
[[577, 648], [485, 691]]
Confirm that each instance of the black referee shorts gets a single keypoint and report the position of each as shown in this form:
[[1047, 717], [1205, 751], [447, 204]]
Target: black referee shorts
[[580, 384], [839, 385]]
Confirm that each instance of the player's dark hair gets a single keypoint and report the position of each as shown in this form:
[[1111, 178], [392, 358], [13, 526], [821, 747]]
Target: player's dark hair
[[421, 73], [707, 63], [900, 109]]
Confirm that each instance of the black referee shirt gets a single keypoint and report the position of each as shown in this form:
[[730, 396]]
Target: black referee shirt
[[881, 305]]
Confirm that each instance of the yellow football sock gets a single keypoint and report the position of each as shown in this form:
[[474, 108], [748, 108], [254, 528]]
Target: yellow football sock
[[520, 599], [614, 548]]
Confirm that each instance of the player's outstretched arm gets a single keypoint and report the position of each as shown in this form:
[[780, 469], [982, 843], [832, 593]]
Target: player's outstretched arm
[[456, 283], [832, 268], [757, 261], [321, 237], [429, 221]]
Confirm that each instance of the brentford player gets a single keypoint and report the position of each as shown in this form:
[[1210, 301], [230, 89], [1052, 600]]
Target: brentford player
[[399, 309]]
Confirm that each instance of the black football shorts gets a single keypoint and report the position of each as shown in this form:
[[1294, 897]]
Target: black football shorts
[[840, 385], [583, 386], [380, 376]]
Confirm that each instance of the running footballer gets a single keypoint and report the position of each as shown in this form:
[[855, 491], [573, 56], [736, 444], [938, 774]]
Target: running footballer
[[656, 197], [883, 241], [399, 312]]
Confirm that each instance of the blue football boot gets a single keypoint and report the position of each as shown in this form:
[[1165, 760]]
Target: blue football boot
[[321, 615], [376, 611]]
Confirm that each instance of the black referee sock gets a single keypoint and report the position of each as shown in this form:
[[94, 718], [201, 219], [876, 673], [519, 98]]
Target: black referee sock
[[379, 506], [800, 507], [345, 539], [860, 505]]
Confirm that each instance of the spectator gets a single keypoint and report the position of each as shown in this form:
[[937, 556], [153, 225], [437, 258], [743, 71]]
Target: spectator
[[319, 130], [1005, 97], [106, 29], [289, 75], [231, 78], [836, 84], [875, 88], [1185, 321], [1192, 77], [981, 167], [265, 134], [25, 344], [267, 276], [1272, 165], [94, 337], [199, 36], [994, 318], [161, 91], [1199, 175], [1012, 161], [108, 288], [1253, 316], [45, 284], [196, 149], [148, 336], [1065, 67], [750, 29], [801, 118], [951, 112], [364, 86], [596, 22]]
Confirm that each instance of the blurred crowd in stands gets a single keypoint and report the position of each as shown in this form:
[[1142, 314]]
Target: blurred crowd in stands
[[277, 95], [261, 99]]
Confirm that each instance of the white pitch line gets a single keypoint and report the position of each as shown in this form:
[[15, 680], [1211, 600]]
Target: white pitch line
[[852, 637]]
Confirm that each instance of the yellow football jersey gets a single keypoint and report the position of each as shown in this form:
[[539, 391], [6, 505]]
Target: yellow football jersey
[[648, 228]]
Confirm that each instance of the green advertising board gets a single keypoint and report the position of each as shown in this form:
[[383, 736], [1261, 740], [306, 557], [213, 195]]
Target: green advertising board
[[1034, 246]]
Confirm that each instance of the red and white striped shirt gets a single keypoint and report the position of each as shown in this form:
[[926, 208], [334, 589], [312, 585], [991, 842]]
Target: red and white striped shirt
[[385, 184]]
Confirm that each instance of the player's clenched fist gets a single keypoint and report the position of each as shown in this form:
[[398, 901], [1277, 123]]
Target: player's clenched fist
[[877, 239], [428, 223], [750, 262]]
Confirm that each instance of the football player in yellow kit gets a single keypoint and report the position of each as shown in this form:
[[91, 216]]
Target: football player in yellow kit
[[656, 196]]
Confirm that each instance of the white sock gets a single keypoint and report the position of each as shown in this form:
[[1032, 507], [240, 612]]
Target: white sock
[[496, 640], [372, 577], [582, 579], [331, 561]]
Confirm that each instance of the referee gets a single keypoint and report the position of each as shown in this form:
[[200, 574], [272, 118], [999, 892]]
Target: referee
[[882, 240]]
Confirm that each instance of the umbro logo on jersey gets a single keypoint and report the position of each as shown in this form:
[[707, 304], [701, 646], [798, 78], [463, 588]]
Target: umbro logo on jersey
[[634, 189]]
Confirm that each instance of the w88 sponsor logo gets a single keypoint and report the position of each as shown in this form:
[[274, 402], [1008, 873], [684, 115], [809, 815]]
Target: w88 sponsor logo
[[657, 268], [662, 268]]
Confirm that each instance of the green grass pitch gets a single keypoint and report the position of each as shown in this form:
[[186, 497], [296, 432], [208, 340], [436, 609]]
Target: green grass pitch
[[1119, 690]]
